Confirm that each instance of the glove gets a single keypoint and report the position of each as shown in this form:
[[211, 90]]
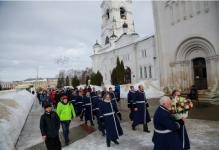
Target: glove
[[181, 122], [147, 105]]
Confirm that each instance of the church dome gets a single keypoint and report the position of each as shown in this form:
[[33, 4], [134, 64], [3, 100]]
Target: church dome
[[125, 25], [96, 44], [113, 35], [134, 33]]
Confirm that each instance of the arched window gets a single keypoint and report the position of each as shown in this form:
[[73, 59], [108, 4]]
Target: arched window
[[145, 72], [122, 13], [127, 75], [107, 40], [141, 74], [150, 72], [107, 14]]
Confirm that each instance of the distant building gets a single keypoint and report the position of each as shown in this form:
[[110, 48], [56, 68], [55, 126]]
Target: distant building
[[40, 82], [7, 85]]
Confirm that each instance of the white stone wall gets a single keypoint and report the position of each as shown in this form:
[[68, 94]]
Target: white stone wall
[[135, 55], [108, 26], [177, 22]]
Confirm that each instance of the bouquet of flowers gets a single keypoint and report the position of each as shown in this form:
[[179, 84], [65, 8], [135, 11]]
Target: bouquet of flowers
[[180, 107]]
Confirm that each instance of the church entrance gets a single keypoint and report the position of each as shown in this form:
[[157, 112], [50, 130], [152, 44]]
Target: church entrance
[[127, 75], [200, 73]]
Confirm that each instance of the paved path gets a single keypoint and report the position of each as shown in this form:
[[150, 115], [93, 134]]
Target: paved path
[[201, 131], [204, 135], [30, 134]]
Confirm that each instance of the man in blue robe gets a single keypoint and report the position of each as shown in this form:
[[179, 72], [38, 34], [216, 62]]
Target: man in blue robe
[[140, 114], [166, 128], [88, 110], [95, 100], [111, 122], [131, 98], [74, 97], [79, 105], [114, 100]]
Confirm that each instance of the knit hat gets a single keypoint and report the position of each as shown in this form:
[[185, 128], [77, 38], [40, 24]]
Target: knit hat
[[64, 97]]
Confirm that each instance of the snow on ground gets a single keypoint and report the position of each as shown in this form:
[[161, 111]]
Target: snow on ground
[[203, 135], [14, 108], [151, 88]]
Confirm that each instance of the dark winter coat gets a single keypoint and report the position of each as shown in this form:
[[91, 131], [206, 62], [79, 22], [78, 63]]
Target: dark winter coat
[[166, 133], [49, 124], [88, 110], [79, 105], [141, 116], [131, 98], [111, 122], [74, 99]]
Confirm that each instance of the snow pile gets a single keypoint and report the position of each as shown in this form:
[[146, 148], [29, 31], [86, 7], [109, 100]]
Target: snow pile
[[151, 88], [98, 88], [14, 109]]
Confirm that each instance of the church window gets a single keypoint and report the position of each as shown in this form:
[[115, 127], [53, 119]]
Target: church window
[[141, 75], [145, 72], [107, 14], [150, 73], [144, 53], [107, 40], [122, 13]]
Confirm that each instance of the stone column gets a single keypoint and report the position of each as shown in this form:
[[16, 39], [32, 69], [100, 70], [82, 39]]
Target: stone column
[[216, 76], [187, 74], [209, 72], [213, 74]]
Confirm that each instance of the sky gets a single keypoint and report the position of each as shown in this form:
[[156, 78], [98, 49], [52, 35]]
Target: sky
[[52, 36]]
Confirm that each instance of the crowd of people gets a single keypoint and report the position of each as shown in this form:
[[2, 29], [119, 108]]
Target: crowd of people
[[102, 106], [87, 104]]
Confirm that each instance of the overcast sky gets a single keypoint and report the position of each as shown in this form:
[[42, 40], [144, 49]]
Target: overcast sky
[[44, 34]]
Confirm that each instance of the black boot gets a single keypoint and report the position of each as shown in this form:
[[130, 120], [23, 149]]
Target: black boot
[[92, 123], [145, 127], [81, 117], [133, 127], [116, 142], [103, 132], [108, 143]]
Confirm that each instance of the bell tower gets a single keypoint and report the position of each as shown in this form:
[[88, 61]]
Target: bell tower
[[117, 19]]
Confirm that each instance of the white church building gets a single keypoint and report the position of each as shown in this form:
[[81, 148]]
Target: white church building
[[187, 41], [119, 39], [184, 50]]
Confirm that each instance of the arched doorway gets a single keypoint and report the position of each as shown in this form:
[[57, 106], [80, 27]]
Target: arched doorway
[[200, 73], [193, 61], [127, 75]]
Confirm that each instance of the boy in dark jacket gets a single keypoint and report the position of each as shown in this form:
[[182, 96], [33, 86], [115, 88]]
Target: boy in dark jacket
[[49, 126]]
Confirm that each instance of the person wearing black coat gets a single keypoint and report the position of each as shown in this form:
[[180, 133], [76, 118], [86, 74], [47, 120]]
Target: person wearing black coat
[[49, 127]]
